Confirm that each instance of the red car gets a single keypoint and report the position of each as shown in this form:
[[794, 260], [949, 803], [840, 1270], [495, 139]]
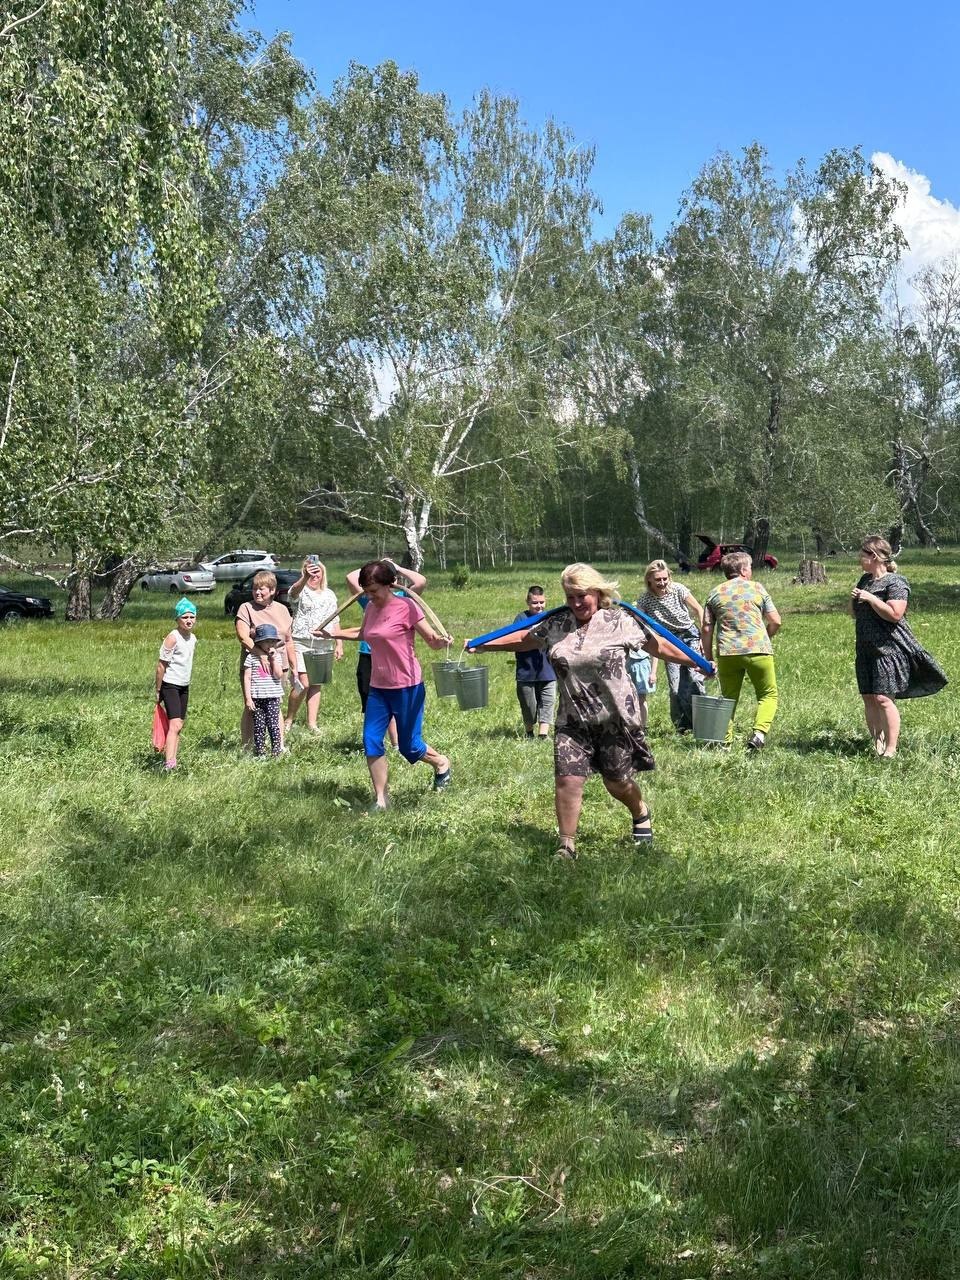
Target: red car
[[713, 553]]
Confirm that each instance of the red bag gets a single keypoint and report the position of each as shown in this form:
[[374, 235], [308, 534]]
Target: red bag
[[161, 723]]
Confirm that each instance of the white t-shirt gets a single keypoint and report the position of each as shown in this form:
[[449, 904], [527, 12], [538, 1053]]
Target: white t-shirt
[[179, 659], [314, 607]]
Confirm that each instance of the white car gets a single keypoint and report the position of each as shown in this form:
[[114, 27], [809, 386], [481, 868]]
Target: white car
[[233, 565], [194, 578]]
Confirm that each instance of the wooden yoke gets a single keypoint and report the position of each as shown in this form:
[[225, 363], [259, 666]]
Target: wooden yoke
[[428, 613]]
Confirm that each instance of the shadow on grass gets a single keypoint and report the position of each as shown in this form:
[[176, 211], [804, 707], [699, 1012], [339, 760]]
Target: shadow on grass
[[392, 1055]]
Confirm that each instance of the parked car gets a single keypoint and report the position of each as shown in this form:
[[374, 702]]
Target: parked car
[[237, 564], [713, 552], [193, 578], [15, 606], [243, 591]]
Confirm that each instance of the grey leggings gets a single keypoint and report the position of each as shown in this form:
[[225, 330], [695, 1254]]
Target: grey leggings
[[536, 702]]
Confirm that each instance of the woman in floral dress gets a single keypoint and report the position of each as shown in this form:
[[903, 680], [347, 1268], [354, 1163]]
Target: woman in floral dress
[[598, 726]]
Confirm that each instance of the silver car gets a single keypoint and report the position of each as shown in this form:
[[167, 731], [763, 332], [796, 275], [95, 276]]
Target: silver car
[[233, 565], [194, 578]]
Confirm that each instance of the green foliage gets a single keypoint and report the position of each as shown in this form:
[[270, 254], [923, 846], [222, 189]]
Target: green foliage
[[246, 1030]]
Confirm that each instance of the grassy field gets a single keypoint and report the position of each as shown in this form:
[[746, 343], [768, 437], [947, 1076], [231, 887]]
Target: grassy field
[[248, 1031]]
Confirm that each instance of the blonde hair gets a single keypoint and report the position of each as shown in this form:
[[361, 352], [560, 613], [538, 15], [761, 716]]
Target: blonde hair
[[264, 578], [583, 577], [656, 566], [881, 548], [321, 572]]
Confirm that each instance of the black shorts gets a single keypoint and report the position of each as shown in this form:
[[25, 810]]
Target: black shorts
[[173, 698], [364, 666]]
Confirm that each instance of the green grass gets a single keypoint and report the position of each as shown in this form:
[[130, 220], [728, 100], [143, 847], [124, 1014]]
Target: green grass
[[247, 1031]]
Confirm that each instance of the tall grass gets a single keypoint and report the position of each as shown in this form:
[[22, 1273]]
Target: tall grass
[[248, 1031]]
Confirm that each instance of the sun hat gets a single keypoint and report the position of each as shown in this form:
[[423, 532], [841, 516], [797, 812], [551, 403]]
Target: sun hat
[[183, 606], [265, 631]]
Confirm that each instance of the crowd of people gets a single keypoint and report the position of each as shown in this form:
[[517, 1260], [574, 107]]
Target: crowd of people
[[585, 670]]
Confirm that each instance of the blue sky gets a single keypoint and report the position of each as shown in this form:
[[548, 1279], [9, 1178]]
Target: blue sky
[[657, 89]]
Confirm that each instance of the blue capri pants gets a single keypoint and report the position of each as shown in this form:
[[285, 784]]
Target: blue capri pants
[[406, 707]]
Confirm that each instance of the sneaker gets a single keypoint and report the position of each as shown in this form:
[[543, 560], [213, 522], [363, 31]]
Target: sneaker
[[755, 741]]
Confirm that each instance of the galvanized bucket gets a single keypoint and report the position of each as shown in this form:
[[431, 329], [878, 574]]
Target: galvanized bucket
[[445, 679], [711, 717], [471, 688], [319, 666]]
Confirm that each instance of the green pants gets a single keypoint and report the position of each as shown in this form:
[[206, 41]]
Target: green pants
[[763, 676]]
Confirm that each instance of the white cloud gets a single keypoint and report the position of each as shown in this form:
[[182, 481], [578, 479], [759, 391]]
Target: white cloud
[[931, 226]]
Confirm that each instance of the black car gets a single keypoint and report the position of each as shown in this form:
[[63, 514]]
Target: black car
[[242, 592], [15, 606]]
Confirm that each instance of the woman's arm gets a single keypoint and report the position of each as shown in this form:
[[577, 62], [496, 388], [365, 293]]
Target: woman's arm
[[291, 662], [353, 581], [772, 621], [247, 699], [657, 647], [331, 632], [244, 631], [889, 610], [416, 581], [506, 644], [426, 632], [694, 607], [706, 635]]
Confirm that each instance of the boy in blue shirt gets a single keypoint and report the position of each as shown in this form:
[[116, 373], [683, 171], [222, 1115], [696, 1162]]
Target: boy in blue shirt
[[536, 679]]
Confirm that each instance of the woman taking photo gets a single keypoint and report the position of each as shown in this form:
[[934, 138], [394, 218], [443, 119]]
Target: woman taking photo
[[598, 726], [315, 602], [678, 609], [390, 626], [891, 662]]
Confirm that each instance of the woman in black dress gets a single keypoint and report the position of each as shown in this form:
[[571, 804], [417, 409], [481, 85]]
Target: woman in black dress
[[891, 662]]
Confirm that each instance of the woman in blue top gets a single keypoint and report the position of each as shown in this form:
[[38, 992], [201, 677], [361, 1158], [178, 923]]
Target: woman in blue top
[[416, 582], [536, 678]]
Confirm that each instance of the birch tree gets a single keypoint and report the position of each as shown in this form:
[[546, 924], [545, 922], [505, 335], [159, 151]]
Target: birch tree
[[442, 328]]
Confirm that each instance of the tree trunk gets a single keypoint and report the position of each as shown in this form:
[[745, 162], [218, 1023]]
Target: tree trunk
[[757, 533], [908, 487], [78, 597], [684, 532], [413, 556], [761, 542], [811, 573], [120, 583], [640, 512]]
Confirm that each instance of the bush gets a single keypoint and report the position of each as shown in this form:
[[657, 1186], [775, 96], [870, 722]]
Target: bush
[[460, 577]]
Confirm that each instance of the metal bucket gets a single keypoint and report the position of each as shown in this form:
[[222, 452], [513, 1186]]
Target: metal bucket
[[445, 679], [471, 688], [711, 717], [319, 666]]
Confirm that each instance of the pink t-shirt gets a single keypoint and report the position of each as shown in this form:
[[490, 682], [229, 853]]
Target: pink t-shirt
[[389, 631]]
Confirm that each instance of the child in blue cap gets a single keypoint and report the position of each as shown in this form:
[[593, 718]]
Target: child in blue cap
[[174, 668], [263, 688]]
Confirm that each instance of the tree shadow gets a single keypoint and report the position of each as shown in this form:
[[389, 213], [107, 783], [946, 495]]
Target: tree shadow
[[407, 1048]]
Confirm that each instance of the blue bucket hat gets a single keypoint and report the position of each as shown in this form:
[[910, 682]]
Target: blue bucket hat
[[265, 631], [183, 606]]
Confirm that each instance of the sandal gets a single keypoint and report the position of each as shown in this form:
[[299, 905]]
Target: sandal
[[643, 829], [565, 851], [442, 780]]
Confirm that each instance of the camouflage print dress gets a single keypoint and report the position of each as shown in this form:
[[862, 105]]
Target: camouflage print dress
[[598, 727]]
